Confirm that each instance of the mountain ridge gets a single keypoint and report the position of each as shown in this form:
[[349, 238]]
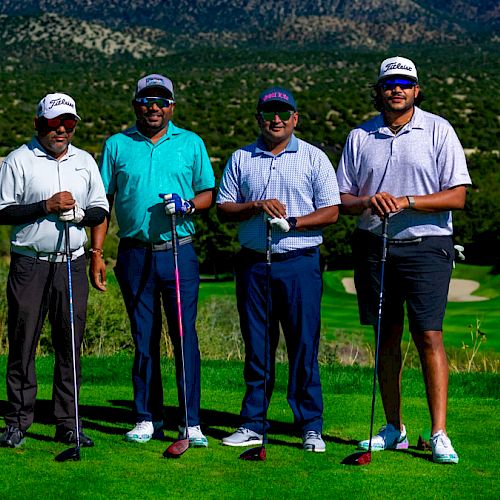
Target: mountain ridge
[[179, 24]]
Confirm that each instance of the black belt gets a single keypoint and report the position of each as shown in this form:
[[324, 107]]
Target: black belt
[[413, 241], [155, 247], [253, 255]]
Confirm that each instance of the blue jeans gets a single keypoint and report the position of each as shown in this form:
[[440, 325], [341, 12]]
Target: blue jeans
[[147, 280], [295, 300]]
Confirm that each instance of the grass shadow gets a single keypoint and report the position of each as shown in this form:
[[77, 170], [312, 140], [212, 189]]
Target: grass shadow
[[112, 419]]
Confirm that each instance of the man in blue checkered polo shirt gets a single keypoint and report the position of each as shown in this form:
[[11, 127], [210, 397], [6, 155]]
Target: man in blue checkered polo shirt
[[292, 183]]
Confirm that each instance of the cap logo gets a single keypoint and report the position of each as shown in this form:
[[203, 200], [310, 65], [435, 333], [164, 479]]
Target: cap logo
[[154, 81], [397, 65], [60, 101], [274, 95]]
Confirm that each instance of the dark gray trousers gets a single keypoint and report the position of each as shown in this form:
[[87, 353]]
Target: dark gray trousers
[[36, 288]]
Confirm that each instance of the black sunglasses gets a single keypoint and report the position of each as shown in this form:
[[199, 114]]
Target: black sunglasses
[[269, 116]]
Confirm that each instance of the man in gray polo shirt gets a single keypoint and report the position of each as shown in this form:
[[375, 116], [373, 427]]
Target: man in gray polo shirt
[[406, 164], [44, 185]]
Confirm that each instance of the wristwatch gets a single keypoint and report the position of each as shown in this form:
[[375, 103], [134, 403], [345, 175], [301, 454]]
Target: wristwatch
[[193, 208], [411, 201], [293, 222]]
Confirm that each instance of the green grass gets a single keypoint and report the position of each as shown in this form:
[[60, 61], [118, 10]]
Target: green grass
[[340, 310], [115, 469]]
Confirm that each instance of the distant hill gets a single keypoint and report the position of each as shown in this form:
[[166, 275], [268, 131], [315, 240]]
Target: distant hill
[[113, 25]]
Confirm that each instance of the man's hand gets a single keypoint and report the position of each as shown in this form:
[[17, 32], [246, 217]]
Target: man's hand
[[385, 203], [60, 202], [97, 270], [174, 204], [273, 208], [75, 214], [280, 223]]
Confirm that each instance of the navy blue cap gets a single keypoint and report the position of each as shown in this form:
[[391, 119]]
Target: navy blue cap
[[277, 94]]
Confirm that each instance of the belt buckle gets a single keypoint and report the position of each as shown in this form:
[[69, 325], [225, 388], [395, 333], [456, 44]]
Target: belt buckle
[[160, 247]]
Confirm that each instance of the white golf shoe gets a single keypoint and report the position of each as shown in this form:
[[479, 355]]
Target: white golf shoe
[[442, 450], [312, 441], [387, 438], [196, 437], [242, 437]]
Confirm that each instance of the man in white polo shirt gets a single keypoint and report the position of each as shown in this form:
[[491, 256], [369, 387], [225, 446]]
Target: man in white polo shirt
[[408, 165], [44, 185]]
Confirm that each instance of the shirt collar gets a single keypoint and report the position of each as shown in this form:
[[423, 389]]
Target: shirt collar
[[417, 121], [291, 147]]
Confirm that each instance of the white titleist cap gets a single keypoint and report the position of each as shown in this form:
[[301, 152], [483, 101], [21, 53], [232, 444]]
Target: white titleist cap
[[398, 66], [53, 105]]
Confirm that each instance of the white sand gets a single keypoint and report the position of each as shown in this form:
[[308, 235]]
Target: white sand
[[460, 290]]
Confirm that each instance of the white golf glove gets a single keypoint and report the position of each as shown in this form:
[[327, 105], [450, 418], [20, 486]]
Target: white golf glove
[[281, 224], [75, 214], [460, 249]]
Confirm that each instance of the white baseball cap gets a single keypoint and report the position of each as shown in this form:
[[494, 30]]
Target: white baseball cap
[[53, 105], [398, 66]]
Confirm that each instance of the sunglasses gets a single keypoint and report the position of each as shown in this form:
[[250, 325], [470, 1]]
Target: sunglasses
[[161, 102], [392, 84], [268, 116], [54, 123]]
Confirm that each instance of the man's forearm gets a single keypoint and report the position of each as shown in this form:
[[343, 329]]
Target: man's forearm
[[354, 205], [319, 218], [98, 235], [23, 214], [237, 212]]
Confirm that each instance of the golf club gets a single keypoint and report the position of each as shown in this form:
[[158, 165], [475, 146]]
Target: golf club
[[259, 453], [178, 447], [365, 457], [71, 453]]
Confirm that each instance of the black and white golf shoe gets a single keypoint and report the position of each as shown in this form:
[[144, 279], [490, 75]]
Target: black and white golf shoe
[[68, 436], [12, 437]]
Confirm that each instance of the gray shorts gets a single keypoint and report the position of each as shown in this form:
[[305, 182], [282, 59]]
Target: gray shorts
[[417, 274]]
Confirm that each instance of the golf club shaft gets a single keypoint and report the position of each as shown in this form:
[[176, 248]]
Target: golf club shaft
[[179, 317], [72, 324], [379, 321], [269, 240]]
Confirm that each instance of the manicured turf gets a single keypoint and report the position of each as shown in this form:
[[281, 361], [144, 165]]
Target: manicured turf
[[115, 469], [340, 311]]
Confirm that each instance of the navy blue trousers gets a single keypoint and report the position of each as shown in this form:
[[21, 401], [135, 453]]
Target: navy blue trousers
[[295, 300], [147, 281]]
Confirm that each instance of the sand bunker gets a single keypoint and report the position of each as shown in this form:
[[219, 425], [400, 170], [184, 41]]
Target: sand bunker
[[460, 290]]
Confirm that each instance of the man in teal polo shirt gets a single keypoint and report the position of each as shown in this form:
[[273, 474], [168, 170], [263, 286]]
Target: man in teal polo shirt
[[137, 165]]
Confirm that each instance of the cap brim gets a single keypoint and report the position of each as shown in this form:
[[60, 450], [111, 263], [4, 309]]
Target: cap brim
[[397, 77], [55, 115], [159, 89], [274, 104]]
